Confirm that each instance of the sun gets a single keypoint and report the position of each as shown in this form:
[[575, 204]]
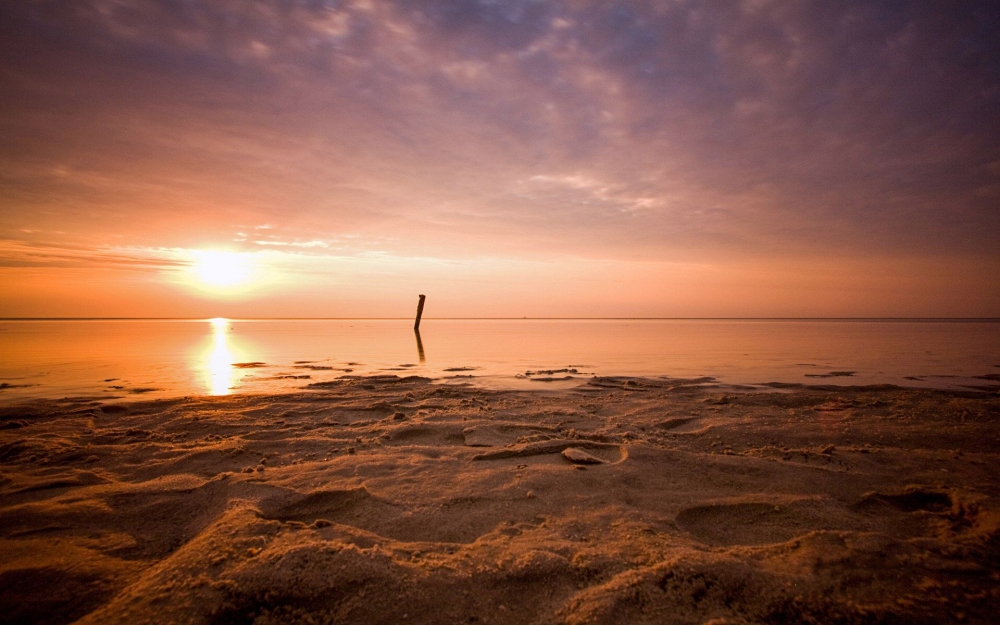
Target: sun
[[221, 269]]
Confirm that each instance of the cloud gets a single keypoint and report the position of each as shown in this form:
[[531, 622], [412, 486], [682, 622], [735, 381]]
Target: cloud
[[306, 244], [21, 254]]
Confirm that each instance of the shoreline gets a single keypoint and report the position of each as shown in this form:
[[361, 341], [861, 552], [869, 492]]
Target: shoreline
[[621, 500], [515, 382]]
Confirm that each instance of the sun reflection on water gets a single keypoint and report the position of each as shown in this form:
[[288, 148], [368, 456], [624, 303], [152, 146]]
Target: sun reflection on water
[[219, 363]]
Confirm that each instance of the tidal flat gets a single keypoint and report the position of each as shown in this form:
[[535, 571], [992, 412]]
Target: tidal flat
[[385, 499]]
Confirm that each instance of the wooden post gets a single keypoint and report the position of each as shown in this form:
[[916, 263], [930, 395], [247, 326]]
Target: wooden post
[[420, 346], [420, 311]]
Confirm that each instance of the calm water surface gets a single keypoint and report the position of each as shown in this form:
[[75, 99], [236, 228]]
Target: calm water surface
[[156, 358]]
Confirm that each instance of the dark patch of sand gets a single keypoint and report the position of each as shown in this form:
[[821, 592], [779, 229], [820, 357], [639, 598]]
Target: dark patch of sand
[[6, 385], [832, 374]]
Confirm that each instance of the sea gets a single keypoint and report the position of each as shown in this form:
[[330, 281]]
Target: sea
[[132, 358]]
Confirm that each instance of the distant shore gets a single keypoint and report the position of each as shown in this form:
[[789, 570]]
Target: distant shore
[[395, 499]]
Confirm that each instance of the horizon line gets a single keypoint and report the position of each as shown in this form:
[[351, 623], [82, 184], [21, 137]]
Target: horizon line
[[986, 319]]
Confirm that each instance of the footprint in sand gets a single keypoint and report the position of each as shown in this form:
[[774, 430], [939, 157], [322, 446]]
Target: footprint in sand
[[758, 523], [920, 510], [911, 500]]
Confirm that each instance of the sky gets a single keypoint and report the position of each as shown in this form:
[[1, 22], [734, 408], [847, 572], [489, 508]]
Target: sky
[[506, 158]]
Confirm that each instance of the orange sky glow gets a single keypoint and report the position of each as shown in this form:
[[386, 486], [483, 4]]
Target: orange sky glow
[[508, 159]]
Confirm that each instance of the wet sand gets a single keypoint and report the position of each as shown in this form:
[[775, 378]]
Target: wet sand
[[398, 500]]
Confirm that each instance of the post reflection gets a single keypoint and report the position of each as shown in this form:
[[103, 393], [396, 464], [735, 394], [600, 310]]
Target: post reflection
[[219, 362], [420, 346]]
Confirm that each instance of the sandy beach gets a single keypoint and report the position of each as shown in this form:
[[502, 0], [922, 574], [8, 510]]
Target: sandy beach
[[398, 500]]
